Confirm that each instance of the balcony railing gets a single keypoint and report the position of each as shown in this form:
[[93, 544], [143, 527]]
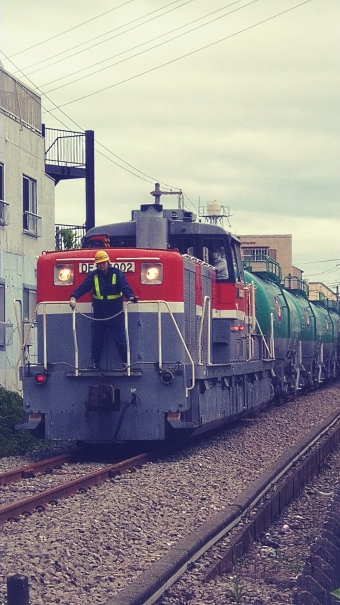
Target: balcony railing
[[263, 266], [296, 284], [32, 224], [4, 213], [65, 148], [19, 102], [69, 236]]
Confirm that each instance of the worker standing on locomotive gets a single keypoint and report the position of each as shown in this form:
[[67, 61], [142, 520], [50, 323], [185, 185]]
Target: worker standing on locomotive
[[108, 285]]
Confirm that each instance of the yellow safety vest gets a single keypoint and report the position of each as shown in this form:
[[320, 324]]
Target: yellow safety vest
[[98, 296]]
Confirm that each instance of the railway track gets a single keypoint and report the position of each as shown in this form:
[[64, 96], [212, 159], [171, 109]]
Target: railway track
[[31, 470], [37, 502], [127, 524], [245, 520]]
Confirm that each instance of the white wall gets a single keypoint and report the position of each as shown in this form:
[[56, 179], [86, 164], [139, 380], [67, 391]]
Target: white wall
[[21, 153]]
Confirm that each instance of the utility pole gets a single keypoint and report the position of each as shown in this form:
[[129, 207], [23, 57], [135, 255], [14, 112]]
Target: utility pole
[[157, 195]]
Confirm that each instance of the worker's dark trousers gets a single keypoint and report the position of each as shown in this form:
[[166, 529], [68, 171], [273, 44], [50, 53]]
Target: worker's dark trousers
[[117, 329]]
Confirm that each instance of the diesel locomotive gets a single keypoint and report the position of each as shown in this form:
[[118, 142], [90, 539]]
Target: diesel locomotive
[[204, 346]]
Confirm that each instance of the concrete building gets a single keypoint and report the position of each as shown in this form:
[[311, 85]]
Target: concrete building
[[278, 247], [319, 291], [27, 221]]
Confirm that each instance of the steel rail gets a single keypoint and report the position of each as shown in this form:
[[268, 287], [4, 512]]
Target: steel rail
[[38, 501], [30, 470]]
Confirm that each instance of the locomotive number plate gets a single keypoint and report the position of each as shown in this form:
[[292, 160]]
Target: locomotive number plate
[[124, 266]]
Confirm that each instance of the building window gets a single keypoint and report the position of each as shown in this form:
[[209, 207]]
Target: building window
[[255, 253], [31, 220], [29, 304], [2, 316], [2, 186], [28, 312], [4, 207]]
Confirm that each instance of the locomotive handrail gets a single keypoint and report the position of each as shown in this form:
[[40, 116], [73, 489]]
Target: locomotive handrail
[[206, 303], [250, 290], [271, 338], [160, 357], [74, 331], [75, 342], [52, 302]]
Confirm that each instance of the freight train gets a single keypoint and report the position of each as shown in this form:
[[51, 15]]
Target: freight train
[[205, 345]]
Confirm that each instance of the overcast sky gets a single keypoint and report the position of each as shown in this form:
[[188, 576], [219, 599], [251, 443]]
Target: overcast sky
[[228, 101]]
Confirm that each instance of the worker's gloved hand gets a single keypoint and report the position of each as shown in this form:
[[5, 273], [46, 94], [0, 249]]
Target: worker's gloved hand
[[73, 303], [134, 299]]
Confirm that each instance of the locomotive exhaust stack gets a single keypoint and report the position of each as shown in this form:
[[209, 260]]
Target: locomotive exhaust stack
[[151, 227]]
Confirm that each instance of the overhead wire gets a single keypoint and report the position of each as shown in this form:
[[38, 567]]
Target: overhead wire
[[66, 31], [105, 34], [51, 111], [322, 272], [150, 179], [148, 42], [211, 44], [310, 262], [22, 7]]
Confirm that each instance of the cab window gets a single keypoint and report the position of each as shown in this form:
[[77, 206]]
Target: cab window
[[237, 261], [214, 253], [184, 245]]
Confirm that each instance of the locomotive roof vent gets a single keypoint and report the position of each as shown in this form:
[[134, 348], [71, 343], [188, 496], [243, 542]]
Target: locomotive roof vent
[[187, 216], [151, 208]]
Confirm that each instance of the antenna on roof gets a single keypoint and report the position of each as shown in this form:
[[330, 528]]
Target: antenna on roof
[[157, 195]]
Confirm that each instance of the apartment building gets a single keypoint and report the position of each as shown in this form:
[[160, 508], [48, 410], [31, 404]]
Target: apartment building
[[27, 221]]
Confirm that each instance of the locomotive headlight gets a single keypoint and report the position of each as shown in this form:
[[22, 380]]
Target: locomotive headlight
[[63, 275], [152, 273]]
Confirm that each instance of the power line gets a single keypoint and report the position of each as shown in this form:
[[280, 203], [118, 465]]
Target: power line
[[152, 47], [105, 34], [151, 179], [331, 270], [185, 55], [331, 260], [66, 31], [148, 71], [20, 8]]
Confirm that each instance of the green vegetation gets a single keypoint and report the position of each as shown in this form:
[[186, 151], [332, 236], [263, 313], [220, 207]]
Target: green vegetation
[[67, 239], [336, 593], [12, 442]]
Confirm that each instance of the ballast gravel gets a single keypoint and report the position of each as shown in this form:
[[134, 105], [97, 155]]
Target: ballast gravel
[[89, 546]]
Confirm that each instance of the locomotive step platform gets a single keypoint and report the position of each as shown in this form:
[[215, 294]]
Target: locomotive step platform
[[102, 372]]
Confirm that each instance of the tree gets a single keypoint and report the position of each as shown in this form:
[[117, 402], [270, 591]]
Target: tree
[[66, 239]]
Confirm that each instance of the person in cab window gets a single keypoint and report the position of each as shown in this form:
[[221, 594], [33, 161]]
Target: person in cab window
[[108, 284], [220, 265]]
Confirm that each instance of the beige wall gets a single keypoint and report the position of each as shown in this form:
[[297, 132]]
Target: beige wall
[[318, 290], [279, 248]]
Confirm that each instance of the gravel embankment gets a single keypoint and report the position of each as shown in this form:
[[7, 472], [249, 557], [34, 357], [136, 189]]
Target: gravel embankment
[[82, 551], [267, 574]]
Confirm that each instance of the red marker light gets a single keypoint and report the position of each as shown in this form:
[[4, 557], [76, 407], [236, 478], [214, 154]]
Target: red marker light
[[40, 378]]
